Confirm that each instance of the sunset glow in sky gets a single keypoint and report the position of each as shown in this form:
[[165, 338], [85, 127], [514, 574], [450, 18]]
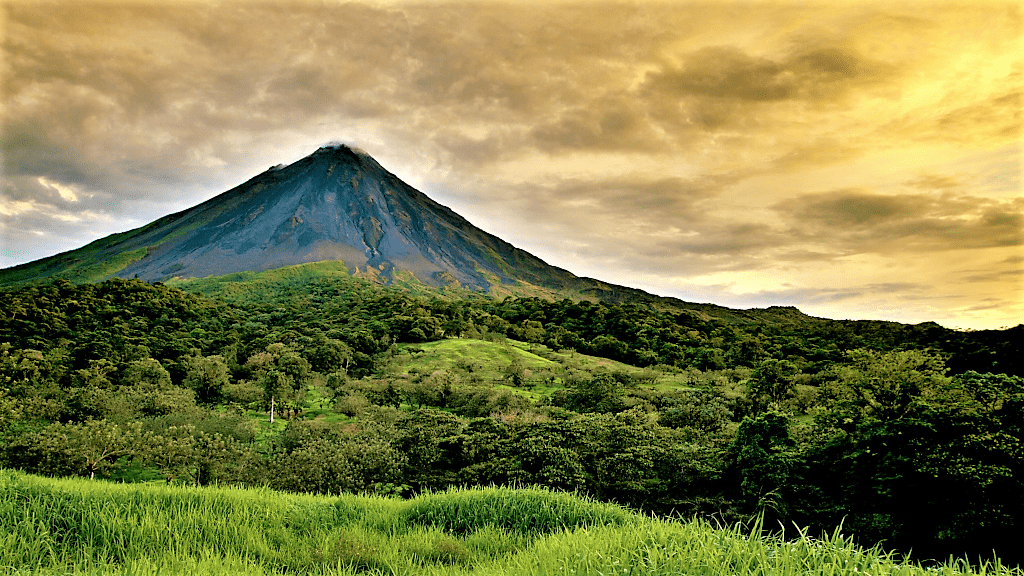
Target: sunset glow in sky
[[853, 159]]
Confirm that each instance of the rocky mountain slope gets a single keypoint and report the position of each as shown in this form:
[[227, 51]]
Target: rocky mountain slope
[[336, 204]]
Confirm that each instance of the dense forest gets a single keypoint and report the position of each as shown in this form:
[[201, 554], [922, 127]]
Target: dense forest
[[909, 436]]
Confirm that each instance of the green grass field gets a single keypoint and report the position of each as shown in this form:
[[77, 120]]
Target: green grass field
[[77, 526], [489, 359], [483, 358]]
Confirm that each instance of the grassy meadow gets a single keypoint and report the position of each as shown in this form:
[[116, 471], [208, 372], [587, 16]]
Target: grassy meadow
[[78, 526]]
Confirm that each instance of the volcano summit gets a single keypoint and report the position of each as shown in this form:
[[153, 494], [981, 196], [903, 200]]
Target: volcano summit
[[335, 204]]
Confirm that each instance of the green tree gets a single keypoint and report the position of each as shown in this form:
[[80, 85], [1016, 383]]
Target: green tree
[[90, 448], [702, 410], [146, 373], [600, 392], [771, 384], [882, 386], [765, 457], [173, 451], [515, 372], [330, 355], [206, 376]]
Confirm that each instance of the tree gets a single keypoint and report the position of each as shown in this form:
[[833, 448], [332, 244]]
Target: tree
[[771, 384], [599, 393], [515, 372], [324, 459], [701, 410], [173, 451], [207, 377], [146, 373], [330, 355], [748, 352], [147, 386], [912, 457], [90, 448], [882, 385], [765, 455]]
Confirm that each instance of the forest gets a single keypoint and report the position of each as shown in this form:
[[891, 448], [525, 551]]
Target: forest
[[310, 380]]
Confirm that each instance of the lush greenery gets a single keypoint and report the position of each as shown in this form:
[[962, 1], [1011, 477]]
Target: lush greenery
[[907, 436], [63, 526]]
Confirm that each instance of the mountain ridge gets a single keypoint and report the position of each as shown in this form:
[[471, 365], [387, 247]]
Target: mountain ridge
[[422, 238], [337, 204]]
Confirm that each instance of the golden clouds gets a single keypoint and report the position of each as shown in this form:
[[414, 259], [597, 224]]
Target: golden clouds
[[653, 139], [730, 73]]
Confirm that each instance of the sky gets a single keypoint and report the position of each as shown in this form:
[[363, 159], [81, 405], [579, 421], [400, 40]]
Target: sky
[[857, 160]]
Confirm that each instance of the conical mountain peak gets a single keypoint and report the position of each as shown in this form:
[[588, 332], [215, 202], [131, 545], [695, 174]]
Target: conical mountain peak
[[338, 203]]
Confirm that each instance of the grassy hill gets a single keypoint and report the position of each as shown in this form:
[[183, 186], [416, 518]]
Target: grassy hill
[[64, 526]]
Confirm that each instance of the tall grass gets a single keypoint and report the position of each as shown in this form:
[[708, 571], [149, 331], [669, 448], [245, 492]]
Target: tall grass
[[77, 526]]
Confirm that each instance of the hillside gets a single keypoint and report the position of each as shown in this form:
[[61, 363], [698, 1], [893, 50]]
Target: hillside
[[308, 379]]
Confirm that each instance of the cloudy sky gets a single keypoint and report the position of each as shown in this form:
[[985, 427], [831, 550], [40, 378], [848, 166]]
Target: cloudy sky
[[853, 159]]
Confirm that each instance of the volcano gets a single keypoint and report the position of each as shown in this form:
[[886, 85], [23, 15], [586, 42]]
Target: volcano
[[337, 203]]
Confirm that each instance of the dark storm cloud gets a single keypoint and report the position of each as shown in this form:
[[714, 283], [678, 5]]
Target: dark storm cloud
[[159, 82], [643, 225], [714, 248], [156, 82], [729, 72], [1013, 274], [861, 221], [935, 182], [653, 202], [854, 208], [718, 86], [821, 152], [141, 100], [615, 123], [739, 246]]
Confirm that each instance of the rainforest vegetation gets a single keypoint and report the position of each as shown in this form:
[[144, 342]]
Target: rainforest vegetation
[[308, 380]]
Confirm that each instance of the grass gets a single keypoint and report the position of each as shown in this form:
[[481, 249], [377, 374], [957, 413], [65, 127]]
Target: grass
[[77, 526], [484, 358], [262, 286], [488, 360]]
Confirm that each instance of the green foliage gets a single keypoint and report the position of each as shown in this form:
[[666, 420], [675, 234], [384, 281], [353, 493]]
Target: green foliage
[[765, 457], [601, 392], [62, 526], [771, 384], [530, 512], [667, 409], [207, 377], [701, 410], [915, 458], [84, 449]]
